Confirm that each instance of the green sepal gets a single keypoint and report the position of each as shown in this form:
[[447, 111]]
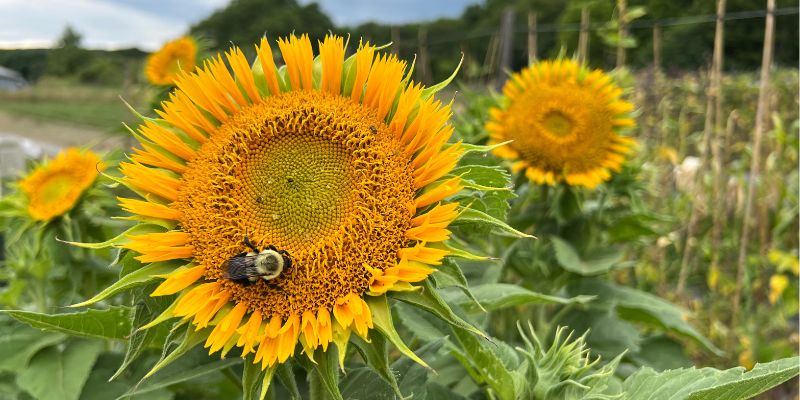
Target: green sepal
[[478, 148], [382, 319], [429, 300], [455, 250], [136, 278], [191, 338], [252, 375], [471, 216], [324, 364], [431, 90], [120, 239]]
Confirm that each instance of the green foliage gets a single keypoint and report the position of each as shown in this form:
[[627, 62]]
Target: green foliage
[[710, 383], [245, 21], [71, 367], [112, 323]]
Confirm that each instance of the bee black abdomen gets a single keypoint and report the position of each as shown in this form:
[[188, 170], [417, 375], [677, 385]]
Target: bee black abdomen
[[236, 269]]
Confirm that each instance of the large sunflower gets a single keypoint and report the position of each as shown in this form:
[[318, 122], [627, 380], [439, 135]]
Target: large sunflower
[[55, 186], [339, 163], [164, 66], [563, 122]]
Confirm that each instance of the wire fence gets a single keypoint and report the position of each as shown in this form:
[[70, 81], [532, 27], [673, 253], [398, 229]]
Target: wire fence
[[637, 24]]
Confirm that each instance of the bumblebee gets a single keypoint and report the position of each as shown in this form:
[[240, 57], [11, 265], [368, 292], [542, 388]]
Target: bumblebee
[[246, 268]]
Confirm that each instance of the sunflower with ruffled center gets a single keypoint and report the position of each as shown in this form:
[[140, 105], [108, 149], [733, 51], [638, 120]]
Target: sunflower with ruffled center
[[54, 187], [562, 123], [339, 164], [164, 66]]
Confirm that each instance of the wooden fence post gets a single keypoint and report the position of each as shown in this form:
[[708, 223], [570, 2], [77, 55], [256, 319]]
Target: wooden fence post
[[755, 163], [657, 47], [622, 31], [531, 37], [712, 96], [423, 68], [395, 40], [583, 36], [506, 46]]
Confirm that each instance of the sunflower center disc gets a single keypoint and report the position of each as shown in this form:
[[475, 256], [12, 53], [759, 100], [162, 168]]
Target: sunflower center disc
[[317, 175], [558, 124], [296, 186]]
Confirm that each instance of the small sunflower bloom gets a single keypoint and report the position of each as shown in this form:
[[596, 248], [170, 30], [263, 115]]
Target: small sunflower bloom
[[163, 66], [54, 187], [340, 164], [562, 122]]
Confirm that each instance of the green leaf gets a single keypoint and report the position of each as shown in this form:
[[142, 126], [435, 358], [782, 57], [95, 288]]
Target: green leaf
[[568, 257], [382, 320], [376, 356], [638, 306], [111, 323], [132, 280], [19, 343], [470, 216], [194, 364], [60, 374], [97, 386], [429, 300], [364, 383], [326, 367], [423, 325], [486, 366], [496, 296], [139, 340], [414, 378], [709, 383]]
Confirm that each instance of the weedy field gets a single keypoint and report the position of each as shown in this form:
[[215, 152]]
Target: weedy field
[[317, 225]]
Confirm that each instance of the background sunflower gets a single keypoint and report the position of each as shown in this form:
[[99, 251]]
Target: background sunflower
[[563, 123]]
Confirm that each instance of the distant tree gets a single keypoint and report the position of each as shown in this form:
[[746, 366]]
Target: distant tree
[[68, 57], [244, 22]]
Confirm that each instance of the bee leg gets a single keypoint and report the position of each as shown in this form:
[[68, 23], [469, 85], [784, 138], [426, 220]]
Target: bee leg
[[250, 244], [272, 284]]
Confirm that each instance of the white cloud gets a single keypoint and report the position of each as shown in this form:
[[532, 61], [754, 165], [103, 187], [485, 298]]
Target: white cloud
[[147, 24], [103, 23]]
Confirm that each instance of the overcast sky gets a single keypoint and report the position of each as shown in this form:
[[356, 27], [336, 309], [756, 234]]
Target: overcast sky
[[147, 24]]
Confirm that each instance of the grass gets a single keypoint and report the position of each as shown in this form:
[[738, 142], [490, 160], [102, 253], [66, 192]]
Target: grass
[[65, 101]]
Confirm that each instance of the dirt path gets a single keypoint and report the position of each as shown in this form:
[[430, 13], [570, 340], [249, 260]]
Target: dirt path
[[52, 134]]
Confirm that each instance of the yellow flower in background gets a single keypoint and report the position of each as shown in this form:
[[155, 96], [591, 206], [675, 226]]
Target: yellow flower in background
[[777, 285], [784, 261], [563, 122], [340, 164], [54, 187], [164, 66]]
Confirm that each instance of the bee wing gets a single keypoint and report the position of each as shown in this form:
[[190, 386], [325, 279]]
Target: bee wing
[[237, 268]]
